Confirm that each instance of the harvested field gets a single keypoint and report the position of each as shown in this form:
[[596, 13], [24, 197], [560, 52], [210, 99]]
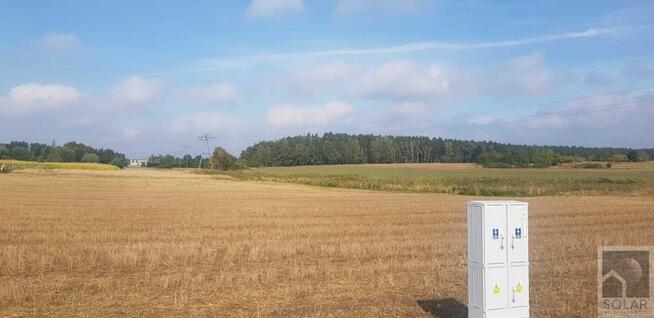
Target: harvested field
[[173, 243]]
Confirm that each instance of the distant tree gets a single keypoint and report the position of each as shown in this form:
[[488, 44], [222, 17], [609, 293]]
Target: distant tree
[[68, 155], [20, 153], [637, 155], [187, 161], [90, 157], [632, 155], [54, 155], [643, 156], [61, 154], [335, 148], [4, 152], [383, 150], [14, 144], [70, 152], [118, 162], [223, 160], [618, 157], [78, 149], [106, 155], [39, 151]]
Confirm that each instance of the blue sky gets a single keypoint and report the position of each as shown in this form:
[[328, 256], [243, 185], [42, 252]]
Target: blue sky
[[150, 76]]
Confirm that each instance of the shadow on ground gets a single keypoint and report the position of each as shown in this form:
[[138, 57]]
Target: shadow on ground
[[444, 308]]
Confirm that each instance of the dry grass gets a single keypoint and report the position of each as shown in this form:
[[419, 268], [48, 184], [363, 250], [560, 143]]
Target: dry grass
[[636, 179], [17, 164], [169, 243]]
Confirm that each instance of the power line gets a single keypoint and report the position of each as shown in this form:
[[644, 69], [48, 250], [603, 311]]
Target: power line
[[565, 113], [572, 99], [205, 138]]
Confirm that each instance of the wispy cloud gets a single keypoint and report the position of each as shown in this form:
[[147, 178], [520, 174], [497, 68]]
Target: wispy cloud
[[137, 90], [289, 116], [227, 62], [59, 42], [267, 8], [216, 93], [366, 6], [405, 80]]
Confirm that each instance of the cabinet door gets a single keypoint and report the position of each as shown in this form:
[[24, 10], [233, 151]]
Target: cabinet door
[[496, 291], [495, 234], [517, 228], [519, 286]]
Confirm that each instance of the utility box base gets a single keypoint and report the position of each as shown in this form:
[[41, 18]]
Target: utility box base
[[498, 259], [500, 313]]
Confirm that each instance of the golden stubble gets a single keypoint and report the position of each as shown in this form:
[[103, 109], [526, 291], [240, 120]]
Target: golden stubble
[[173, 243]]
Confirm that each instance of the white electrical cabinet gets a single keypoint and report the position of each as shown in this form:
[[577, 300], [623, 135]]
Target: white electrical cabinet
[[498, 259]]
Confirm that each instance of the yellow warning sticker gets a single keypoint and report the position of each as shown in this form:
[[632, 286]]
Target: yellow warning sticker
[[518, 288], [496, 289]]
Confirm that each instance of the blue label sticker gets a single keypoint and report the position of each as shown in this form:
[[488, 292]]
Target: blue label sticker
[[518, 233], [496, 234]]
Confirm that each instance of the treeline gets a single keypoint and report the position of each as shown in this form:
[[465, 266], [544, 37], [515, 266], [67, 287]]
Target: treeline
[[169, 162], [219, 160], [332, 148], [69, 152]]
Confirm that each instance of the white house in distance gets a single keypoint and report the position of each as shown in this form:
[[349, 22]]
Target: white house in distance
[[136, 163]]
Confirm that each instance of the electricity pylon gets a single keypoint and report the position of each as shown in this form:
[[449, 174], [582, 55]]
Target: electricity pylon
[[205, 138]]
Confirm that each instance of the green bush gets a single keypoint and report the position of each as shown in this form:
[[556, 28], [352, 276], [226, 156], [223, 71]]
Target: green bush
[[223, 160], [120, 163], [502, 165], [592, 165], [91, 158], [618, 157]]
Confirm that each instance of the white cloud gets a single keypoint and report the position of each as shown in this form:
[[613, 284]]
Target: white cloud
[[205, 122], [405, 80], [245, 61], [131, 132], [409, 108], [217, 93], [393, 118], [484, 120], [137, 90], [525, 75], [36, 93], [317, 79], [295, 116], [37, 97], [266, 8], [408, 81], [392, 6], [60, 42]]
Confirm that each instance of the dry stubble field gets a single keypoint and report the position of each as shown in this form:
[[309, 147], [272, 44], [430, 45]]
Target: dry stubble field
[[171, 243]]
